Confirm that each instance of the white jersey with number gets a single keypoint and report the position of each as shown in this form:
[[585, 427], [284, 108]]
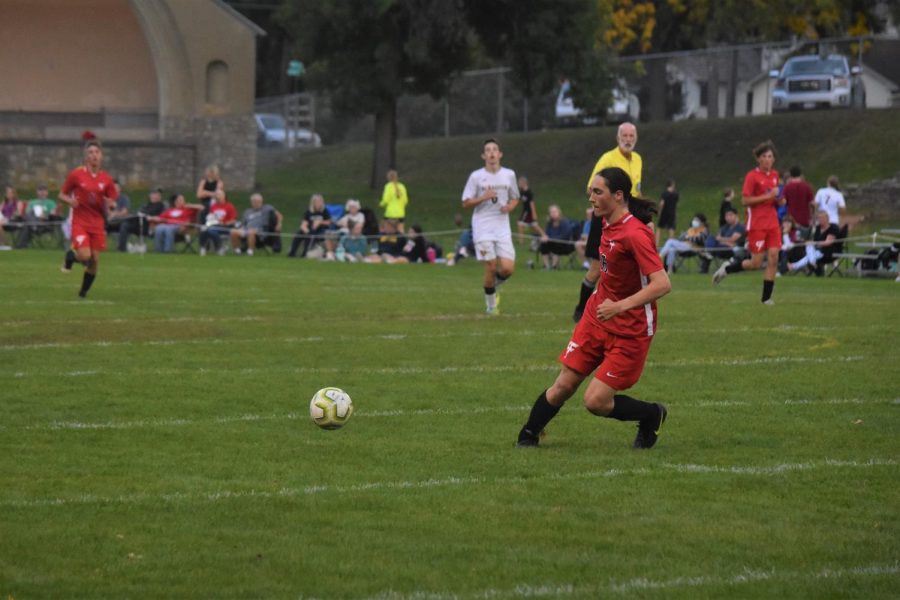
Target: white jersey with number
[[488, 223], [831, 201]]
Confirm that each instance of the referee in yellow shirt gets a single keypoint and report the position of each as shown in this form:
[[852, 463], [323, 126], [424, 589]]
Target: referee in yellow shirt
[[624, 157]]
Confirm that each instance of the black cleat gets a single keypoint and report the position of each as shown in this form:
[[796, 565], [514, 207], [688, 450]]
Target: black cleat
[[648, 431], [528, 439], [82, 294]]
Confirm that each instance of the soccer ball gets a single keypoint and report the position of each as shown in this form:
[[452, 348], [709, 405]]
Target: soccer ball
[[330, 408]]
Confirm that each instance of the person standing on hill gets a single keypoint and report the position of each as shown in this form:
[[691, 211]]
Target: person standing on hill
[[89, 191], [668, 204], [760, 196], [613, 338], [798, 196], [394, 200], [492, 193], [624, 157]]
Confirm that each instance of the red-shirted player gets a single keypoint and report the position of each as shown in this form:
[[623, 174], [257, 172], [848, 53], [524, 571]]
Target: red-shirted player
[[760, 196], [90, 192], [614, 334]]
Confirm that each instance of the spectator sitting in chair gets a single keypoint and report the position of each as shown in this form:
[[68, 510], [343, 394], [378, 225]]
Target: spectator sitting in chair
[[254, 224], [820, 252], [12, 213], [220, 218], [316, 221], [178, 219], [692, 240], [727, 243], [40, 214], [118, 214], [465, 245], [140, 223], [556, 238]]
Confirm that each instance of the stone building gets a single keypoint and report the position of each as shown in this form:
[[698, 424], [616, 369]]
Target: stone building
[[167, 85]]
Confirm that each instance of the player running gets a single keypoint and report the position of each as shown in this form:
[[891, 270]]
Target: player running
[[760, 196], [493, 193], [613, 337], [89, 191]]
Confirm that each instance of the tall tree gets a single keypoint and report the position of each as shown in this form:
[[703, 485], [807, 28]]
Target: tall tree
[[543, 40], [367, 53]]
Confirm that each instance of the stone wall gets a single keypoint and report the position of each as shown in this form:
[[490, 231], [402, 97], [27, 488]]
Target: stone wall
[[878, 200], [176, 162]]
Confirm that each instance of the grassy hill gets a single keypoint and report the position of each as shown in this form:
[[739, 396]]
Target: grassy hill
[[702, 156]]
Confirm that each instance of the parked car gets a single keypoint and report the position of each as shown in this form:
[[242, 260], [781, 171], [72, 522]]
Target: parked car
[[817, 82], [272, 130], [625, 106]]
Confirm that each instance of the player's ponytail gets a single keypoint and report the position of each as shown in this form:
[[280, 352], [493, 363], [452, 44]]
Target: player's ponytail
[[617, 180]]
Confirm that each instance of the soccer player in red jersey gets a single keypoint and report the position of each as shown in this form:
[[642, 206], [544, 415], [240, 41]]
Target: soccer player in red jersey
[[613, 337], [89, 191], [760, 196]]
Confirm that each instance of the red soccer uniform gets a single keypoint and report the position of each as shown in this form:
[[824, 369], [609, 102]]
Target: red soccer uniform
[[91, 192], [618, 346], [765, 214], [225, 212]]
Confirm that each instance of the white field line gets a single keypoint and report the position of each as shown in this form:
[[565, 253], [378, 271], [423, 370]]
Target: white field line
[[414, 412], [450, 481], [436, 371], [746, 576], [285, 340]]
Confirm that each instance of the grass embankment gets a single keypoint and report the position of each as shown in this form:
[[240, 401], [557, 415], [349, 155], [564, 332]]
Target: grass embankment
[[702, 156]]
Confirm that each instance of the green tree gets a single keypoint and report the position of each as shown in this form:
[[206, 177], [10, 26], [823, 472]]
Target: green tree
[[542, 41], [366, 53]]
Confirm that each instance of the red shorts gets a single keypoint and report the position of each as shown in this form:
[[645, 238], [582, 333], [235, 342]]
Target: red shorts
[[619, 361], [760, 239], [84, 237]]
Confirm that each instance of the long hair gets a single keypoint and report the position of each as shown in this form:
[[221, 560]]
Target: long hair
[[617, 180]]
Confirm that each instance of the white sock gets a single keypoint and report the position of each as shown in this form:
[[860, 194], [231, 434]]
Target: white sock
[[490, 301]]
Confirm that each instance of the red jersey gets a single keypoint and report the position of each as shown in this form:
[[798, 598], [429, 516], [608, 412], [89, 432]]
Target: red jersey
[[92, 192], [765, 214], [225, 212], [178, 216], [627, 258], [799, 195]]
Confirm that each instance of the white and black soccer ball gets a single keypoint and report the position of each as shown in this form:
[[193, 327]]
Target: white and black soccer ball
[[330, 408]]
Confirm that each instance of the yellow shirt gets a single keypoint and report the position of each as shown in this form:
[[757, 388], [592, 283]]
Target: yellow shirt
[[394, 200], [615, 158]]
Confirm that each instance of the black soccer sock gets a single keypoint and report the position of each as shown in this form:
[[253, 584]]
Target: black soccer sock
[[489, 291], [499, 279], [86, 283], [627, 408], [735, 266], [541, 413], [70, 259], [768, 286], [587, 288]]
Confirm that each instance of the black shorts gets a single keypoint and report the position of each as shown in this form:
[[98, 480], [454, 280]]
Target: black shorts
[[592, 247], [666, 221]]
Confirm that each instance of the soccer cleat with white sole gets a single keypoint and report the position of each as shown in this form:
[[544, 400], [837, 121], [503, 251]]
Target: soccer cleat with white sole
[[720, 273]]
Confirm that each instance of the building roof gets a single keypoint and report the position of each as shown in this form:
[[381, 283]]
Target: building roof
[[256, 29]]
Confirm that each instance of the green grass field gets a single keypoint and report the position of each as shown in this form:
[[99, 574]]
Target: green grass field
[[155, 439]]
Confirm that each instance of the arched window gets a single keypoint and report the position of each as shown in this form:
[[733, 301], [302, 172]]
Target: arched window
[[217, 83]]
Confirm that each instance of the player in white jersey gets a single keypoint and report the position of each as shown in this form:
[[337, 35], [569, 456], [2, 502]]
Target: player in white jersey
[[493, 193]]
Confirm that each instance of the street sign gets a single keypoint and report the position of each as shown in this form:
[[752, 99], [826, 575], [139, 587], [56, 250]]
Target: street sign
[[295, 68]]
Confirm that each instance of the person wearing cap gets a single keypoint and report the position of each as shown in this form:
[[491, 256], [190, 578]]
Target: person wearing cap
[[139, 224]]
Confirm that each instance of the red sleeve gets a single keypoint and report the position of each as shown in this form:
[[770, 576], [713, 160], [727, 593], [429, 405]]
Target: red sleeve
[[71, 183], [110, 191], [232, 212], [643, 247], [749, 185]]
